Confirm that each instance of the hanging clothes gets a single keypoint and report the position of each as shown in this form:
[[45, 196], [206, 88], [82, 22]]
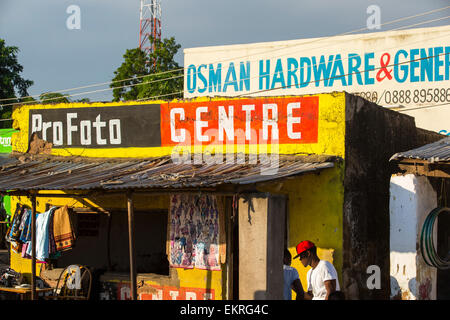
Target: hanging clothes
[[53, 253], [42, 235], [25, 234], [17, 219], [62, 229]]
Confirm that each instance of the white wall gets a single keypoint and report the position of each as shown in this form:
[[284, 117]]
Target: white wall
[[411, 199], [409, 68]]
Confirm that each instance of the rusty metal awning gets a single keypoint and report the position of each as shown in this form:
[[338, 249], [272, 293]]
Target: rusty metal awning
[[24, 172], [438, 151]]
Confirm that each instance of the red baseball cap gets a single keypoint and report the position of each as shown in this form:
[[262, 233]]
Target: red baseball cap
[[303, 246]]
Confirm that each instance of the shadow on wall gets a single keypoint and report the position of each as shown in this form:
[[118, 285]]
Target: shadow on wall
[[260, 295]]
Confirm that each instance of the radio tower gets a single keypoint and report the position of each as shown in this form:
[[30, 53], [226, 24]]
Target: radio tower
[[150, 24]]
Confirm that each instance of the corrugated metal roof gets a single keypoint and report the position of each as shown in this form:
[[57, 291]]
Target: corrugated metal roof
[[433, 152], [27, 172]]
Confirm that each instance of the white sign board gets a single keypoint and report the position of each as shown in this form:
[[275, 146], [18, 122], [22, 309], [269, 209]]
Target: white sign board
[[410, 68]]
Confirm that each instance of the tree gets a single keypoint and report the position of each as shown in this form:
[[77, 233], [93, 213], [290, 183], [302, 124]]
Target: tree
[[11, 83], [148, 68], [135, 65], [53, 98]]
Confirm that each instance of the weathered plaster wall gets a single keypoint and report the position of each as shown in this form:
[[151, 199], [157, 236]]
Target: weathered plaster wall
[[315, 205], [411, 199], [330, 123], [253, 248], [373, 135]]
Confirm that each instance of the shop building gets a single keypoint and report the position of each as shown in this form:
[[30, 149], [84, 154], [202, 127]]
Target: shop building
[[420, 223], [197, 199]]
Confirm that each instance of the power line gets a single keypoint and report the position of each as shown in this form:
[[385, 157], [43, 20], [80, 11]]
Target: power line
[[166, 79], [351, 73], [234, 58], [421, 23], [89, 92], [99, 84]]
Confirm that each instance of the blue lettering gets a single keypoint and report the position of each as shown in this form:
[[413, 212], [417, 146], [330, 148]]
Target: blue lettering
[[244, 76], [368, 67], [202, 78], [413, 65], [322, 69], [215, 78], [447, 62], [437, 63], [426, 65], [191, 78], [338, 66], [354, 69], [404, 68], [305, 82], [278, 75], [264, 74], [292, 65], [233, 82]]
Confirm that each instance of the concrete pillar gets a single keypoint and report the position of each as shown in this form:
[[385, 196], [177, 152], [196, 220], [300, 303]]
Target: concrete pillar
[[411, 200], [262, 227]]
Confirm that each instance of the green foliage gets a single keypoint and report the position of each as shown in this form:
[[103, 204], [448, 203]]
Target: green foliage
[[84, 100], [137, 64], [11, 82], [53, 98]]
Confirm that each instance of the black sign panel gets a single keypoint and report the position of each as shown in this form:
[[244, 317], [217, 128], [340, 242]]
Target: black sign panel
[[98, 127]]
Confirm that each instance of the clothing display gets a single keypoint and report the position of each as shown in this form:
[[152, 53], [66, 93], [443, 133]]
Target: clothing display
[[54, 233], [194, 232], [64, 237]]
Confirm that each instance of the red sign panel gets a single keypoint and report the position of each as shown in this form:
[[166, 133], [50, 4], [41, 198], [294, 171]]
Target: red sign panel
[[243, 121], [173, 293]]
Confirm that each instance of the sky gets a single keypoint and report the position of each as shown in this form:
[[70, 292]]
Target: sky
[[57, 58]]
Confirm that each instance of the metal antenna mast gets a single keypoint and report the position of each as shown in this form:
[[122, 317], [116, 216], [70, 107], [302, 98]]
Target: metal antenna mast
[[150, 24]]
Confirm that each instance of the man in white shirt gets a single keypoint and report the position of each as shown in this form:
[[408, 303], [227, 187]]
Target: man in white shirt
[[322, 277], [291, 279]]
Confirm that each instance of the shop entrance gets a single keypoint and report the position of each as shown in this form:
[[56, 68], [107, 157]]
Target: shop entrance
[[102, 242]]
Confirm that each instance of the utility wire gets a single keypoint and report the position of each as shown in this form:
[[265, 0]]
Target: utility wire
[[340, 76], [260, 91], [234, 58], [165, 79]]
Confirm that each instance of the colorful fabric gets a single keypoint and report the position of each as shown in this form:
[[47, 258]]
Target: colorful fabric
[[25, 234], [62, 229], [16, 246], [15, 231], [194, 232], [51, 242], [42, 235]]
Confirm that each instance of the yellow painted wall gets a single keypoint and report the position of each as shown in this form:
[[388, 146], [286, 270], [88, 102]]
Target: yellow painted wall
[[331, 131], [315, 200], [315, 213]]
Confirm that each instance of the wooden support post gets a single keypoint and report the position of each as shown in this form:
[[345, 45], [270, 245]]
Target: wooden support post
[[131, 246], [33, 247]]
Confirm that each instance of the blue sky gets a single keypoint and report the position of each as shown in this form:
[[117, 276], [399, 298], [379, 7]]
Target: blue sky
[[57, 58]]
